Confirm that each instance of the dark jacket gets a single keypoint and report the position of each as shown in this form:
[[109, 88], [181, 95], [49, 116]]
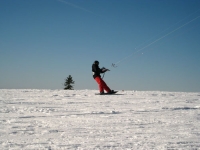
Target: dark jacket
[[97, 71]]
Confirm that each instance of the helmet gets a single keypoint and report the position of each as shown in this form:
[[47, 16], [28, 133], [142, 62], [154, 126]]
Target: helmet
[[96, 62]]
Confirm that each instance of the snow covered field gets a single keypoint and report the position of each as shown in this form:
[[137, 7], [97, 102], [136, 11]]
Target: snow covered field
[[79, 119]]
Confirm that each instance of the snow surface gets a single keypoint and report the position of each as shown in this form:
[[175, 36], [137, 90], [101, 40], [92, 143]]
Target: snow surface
[[79, 119]]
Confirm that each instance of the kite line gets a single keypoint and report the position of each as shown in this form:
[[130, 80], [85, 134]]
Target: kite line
[[115, 64]]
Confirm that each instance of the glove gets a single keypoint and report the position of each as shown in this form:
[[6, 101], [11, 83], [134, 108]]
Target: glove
[[104, 69]]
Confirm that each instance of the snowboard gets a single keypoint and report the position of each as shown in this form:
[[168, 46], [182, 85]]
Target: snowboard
[[107, 93]]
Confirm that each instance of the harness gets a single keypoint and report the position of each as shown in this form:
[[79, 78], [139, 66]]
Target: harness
[[101, 77]]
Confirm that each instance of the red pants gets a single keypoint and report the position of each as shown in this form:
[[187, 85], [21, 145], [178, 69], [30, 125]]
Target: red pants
[[102, 85]]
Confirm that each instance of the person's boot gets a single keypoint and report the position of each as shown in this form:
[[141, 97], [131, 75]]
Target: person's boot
[[111, 91], [101, 93]]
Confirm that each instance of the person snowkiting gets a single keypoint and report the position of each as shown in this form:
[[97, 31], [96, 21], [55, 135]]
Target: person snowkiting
[[96, 75]]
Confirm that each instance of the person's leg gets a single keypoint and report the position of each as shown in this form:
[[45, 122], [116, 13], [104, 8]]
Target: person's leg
[[98, 80], [104, 85]]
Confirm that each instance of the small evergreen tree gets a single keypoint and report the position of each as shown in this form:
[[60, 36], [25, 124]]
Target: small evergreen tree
[[69, 83]]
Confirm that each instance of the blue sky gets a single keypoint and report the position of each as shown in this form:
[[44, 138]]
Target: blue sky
[[156, 43]]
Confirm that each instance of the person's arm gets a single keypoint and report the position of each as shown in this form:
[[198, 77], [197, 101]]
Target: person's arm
[[96, 69], [104, 70]]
